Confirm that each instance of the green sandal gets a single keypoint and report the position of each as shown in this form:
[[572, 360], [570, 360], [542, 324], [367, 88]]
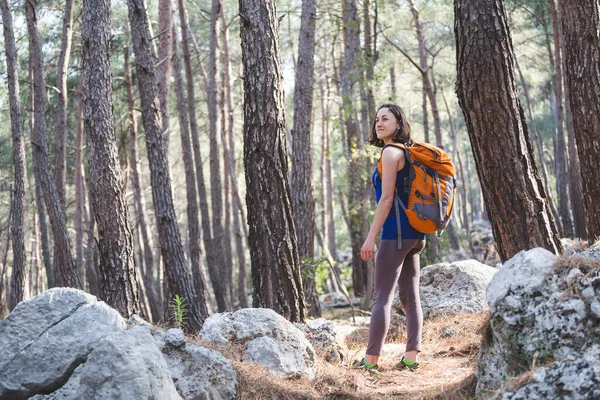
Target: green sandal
[[374, 371], [402, 366]]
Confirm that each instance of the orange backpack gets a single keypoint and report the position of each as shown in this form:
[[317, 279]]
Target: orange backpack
[[430, 187]]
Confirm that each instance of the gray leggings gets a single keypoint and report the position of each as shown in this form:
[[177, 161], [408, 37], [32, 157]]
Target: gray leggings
[[396, 266]]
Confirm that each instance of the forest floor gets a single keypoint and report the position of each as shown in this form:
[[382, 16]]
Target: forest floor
[[447, 365]]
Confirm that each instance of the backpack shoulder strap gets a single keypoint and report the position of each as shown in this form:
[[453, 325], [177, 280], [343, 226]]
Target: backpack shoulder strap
[[380, 161]]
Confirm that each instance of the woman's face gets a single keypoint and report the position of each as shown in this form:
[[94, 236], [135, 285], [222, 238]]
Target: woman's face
[[385, 124]]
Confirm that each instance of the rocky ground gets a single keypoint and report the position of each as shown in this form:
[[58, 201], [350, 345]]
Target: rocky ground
[[526, 330], [449, 360]]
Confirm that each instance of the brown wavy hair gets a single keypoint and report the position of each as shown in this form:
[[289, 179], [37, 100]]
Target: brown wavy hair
[[402, 134]]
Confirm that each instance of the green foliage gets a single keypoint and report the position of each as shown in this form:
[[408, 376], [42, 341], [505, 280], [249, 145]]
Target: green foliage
[[178, 309], [316, 269]]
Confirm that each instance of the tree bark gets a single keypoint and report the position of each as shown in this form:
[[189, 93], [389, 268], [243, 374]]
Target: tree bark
[[516, 202], [538, 143], [580, 22], [272, 239], [60, 127], [65, 270], [163, 68], [38, 196], [5, 288], [561, 155], [239, 218], [437, 130], [370, 54], [301, 182], [356, 192], [216, 189], [190, 182], [79, 190], [19, 267], [118, 275], [575, 182], [175, 264], [138, 199], [220, 290], [91, 257]]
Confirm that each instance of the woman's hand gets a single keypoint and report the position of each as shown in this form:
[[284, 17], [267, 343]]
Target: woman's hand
[[368, 248]]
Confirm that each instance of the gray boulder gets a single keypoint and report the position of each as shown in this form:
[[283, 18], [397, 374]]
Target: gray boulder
[[45, 338], [285, 350], [321, 334], [174, 338], [569, 379], [123, 365], [592, 253], [457, 287], [201, 373], [483, 244], [538, 310], [336, 300]]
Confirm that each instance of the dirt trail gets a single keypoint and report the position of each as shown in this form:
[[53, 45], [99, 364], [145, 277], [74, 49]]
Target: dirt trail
[[448, 362]]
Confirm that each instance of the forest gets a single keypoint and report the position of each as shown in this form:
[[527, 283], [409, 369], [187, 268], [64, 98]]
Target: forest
[[216, 151]]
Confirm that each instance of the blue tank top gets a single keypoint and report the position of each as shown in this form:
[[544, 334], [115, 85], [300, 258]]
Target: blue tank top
[[390, 230]]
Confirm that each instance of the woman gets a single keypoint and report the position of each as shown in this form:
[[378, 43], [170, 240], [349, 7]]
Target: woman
[[392, 265]]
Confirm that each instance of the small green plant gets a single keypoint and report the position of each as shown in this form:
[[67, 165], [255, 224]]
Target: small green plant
[[178, 308]]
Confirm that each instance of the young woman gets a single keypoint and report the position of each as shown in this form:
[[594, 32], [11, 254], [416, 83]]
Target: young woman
[[393, 266]]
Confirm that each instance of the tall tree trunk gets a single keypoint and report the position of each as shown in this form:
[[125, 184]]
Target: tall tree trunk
[[220, 290], [485, 58], [301, 182], [538, 146], [561, 156], [138, 200], [38, 287], [575, 182], [38, 196], [227, 206], [65, 271], [580, 22], [190, 182], [118, 272], [175, 264], [272, 239], [79, 190], [425, 74], [331, 241], [91, 257], [370, 54], [239, 218], [5, 288], [354, 146], [163, 68], [41, 215], [216, 189], [19, 267], [60, 127], [325, 193]]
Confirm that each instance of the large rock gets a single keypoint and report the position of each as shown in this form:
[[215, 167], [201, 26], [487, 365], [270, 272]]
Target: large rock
[[45, 338], [123, 365], [270, 340], [566, 379], [593, 252], [66, 345], [457, 287], [483, 244], [538, 311], [321, 333], [336, 300], [201, 373]]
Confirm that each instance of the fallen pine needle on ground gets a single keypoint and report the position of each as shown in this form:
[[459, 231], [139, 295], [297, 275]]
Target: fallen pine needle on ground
[[447, 366]]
